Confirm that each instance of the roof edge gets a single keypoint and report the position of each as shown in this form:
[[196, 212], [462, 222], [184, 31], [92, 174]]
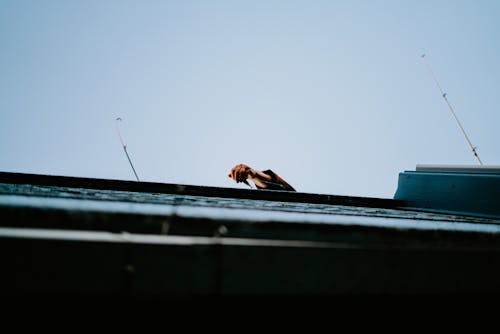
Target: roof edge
[[195, 190]]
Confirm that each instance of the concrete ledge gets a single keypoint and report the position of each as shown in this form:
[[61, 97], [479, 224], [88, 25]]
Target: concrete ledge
[[475, 194]]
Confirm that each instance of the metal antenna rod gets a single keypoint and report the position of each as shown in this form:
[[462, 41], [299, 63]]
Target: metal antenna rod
[[125, 148], [472, 147]]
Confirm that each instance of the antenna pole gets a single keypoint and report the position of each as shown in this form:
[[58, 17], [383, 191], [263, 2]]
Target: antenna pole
[[472, 147], [125, 147]]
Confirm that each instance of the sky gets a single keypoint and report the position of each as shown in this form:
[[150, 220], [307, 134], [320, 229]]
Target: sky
[[333, 95]]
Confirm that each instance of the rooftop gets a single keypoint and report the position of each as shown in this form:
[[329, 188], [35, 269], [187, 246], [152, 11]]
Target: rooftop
[[169, 239]]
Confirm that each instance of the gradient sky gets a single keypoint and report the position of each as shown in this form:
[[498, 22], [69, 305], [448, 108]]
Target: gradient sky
[[331, 95]]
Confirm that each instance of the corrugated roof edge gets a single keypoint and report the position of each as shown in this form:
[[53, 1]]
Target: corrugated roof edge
[[194, 190]]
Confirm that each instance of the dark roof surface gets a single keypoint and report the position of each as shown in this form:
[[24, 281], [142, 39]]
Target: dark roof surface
[[165, 199], [226, 241]]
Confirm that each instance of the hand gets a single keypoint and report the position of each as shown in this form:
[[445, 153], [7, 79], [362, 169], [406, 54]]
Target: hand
[[241, 172]]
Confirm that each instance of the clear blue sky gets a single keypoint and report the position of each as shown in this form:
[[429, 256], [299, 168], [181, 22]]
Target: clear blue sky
[[331, 95]]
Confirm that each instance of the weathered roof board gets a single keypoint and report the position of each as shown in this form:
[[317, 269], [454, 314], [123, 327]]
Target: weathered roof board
[[74, 235]]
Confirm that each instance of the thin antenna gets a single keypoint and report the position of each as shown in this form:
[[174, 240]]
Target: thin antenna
[[472, 147], [125, 147]]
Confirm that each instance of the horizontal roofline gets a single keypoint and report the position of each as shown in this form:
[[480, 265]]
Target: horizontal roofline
[[194, 190]]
